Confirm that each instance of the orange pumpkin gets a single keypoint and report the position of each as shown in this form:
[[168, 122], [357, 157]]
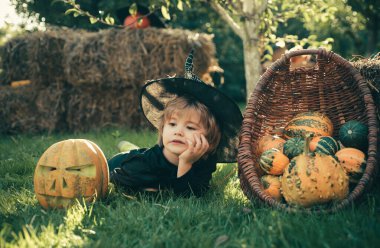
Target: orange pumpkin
[[136, 21], [273, 161], [272, 186], [353, 161], [313, 179], [70, 169], [314, 123], [267, 142]]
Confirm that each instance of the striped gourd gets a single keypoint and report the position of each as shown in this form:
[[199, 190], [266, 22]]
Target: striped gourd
[[273, 161], [294, 147], [315, 123], [324, 144], [353, 161], [272, 186]]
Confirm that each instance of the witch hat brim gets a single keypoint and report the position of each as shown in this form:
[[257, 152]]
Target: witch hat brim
[[156, 94]]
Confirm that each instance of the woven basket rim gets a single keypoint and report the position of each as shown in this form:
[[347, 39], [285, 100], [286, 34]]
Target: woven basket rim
[[246, 169]]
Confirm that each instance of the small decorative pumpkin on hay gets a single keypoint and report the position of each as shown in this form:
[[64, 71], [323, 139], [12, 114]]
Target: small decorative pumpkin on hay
[[68, 170]]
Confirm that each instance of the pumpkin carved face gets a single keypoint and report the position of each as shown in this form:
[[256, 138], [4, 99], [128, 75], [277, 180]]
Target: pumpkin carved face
[[70, 169]]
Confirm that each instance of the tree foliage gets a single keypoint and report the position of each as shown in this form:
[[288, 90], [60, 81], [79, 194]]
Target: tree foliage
[[370, 10]]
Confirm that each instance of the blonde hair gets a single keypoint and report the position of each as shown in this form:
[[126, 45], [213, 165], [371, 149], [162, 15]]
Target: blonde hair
[[208, 120]]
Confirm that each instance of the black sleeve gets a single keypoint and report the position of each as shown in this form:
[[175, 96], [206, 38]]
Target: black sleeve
[[131, 171], [196, 181]]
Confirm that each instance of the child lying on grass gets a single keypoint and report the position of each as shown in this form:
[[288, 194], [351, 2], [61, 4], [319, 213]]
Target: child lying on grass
[[197, 126]]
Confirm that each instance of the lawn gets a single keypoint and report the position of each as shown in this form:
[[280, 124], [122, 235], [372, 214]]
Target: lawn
[[222, 218]]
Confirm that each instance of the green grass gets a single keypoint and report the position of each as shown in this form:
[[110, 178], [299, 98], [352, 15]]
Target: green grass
[[223, 218]]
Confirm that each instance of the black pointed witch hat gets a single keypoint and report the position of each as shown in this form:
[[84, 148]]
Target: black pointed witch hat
[[156, 93]]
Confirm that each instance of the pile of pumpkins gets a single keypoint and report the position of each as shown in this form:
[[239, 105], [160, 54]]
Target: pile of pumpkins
[[306, 166]]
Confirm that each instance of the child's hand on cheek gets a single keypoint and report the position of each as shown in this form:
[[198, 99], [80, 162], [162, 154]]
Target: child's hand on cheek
[[195, 150]]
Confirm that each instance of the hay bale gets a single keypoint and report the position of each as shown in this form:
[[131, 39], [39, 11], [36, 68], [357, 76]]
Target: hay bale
[[370, 70], [45, 53], [17, 113], [117, 58], [36, 56], [87, 80], [30, 109], [90, 108], [14, 60]]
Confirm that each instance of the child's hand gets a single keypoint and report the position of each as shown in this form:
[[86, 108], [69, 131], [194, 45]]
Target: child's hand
[[195, 150], [193, 153]]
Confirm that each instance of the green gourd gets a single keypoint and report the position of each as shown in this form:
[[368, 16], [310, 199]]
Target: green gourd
[[294, 147], [354, 134]]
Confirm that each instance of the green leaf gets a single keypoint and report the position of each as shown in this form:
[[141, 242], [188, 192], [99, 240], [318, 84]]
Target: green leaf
[[133, 9], [180, 5], [116, 134], [269, 49], [69, 11], [165, 13], [109, 20], [93, 20], [267, 57]]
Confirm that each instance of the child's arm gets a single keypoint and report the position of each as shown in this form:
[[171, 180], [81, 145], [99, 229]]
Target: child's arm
[[192, 154], [194, 180]]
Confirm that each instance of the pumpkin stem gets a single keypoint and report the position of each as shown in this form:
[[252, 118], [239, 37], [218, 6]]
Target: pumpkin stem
[[308, 138], [278, 131]]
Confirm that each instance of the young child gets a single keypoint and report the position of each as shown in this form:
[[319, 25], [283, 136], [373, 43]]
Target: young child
[[197, 127]]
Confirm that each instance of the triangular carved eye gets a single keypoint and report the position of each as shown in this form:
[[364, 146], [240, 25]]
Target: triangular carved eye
[[88, 170]]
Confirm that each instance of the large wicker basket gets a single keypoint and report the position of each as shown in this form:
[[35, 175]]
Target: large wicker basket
[[333, 87]]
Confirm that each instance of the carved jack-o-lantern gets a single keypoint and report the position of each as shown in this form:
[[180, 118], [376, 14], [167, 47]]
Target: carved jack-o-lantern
[[70, 169]]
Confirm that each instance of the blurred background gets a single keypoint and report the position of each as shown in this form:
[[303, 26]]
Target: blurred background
[[348, 27]]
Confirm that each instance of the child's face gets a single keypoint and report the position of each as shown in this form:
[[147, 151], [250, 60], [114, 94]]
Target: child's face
[[183, 125]]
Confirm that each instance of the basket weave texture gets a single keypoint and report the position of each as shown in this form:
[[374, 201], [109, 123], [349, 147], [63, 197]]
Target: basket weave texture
[[334, 87]]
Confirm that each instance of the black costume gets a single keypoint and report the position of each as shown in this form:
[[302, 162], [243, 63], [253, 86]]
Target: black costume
[[148, 168]]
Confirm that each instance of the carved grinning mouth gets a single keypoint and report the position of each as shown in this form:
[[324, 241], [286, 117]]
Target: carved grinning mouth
[[61, 201]]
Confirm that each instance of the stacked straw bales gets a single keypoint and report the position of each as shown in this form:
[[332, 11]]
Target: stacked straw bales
[[84, 80], [370, 70]]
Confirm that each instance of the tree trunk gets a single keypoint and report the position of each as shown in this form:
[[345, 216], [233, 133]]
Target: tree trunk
[[248, 31], [250, 37], [252, 65]]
